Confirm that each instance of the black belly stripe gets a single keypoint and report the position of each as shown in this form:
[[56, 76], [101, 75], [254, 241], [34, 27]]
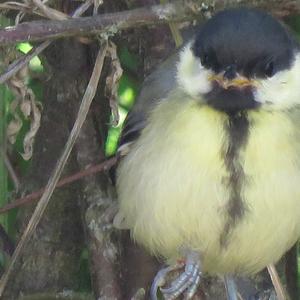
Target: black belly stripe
[[237, 129]]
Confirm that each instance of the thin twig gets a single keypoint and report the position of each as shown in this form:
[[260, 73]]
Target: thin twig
[[49, 12], [111, 86], [21, 7], [20, 63], [42, 204], [281, 295], [82, 9], [174, 30], [32, 197], [13, 176], [111, 23]]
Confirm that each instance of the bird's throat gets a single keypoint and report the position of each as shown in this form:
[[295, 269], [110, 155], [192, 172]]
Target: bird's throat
[[231, 100]]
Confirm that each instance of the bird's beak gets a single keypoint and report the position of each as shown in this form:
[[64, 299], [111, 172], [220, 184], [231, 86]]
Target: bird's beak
[[237, 82]]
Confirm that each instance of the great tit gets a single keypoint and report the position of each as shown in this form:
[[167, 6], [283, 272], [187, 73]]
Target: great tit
[[209, 179]]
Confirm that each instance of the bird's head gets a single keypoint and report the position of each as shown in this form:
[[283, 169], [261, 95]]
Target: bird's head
[[242, 59]]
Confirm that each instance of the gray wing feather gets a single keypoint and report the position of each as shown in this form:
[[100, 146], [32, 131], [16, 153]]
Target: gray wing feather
[[154, 89]]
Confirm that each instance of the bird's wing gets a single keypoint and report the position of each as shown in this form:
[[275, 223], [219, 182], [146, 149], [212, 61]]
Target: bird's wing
[[154, 89]]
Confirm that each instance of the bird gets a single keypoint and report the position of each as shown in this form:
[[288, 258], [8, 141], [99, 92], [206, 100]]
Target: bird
[[209, 174]]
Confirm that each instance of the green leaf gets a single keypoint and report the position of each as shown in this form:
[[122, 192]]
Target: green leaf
[[35, 64], [127, 91]]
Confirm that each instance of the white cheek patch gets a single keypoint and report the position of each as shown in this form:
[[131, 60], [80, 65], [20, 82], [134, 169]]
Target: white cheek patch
[[192, 77], [281, 91]]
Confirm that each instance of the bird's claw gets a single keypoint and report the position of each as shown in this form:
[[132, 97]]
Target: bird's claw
[[160, 279], [186, 283]]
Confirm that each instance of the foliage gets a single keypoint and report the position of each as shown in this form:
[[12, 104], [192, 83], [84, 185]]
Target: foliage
[[127, 92]]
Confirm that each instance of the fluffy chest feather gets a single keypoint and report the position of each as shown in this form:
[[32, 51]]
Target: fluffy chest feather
[[188, 183]]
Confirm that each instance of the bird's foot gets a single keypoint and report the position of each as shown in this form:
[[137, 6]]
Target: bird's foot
[[230, 288], [186, 283]]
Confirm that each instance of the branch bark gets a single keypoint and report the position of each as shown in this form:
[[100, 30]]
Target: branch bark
[[42, 204], [34, 196], [98, 211], [110, 23], [50, 262]]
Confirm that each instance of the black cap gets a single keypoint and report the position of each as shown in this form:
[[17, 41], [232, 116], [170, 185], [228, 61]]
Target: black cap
[[250, 40]]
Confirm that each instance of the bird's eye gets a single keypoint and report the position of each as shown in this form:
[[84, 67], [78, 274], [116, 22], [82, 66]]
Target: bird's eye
[[205, 60], [269, 69], [209, 60]]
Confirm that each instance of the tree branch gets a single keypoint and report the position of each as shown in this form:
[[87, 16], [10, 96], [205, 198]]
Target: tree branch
[[98, 210], [34, 196], [40, 208], [110, 23], [18, 64]]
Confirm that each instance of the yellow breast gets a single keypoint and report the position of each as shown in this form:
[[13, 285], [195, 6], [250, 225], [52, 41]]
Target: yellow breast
[[173, 194]]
